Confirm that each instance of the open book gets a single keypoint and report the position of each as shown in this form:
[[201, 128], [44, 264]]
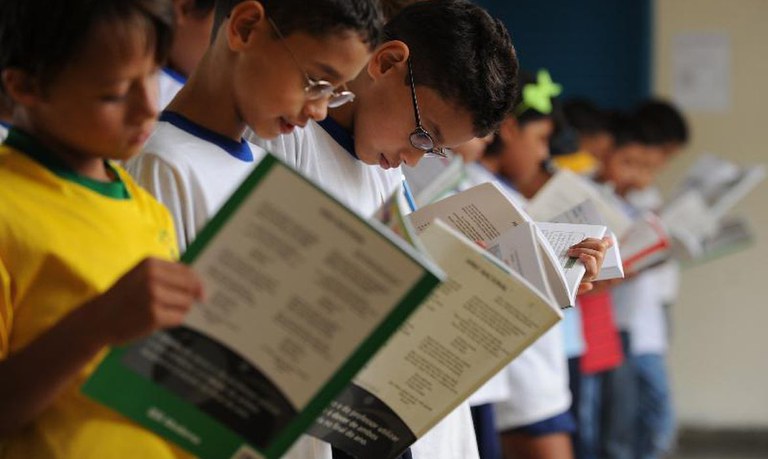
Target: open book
[[474, 324], [302, 292], [566, 190], [709, 190], [485, 212], [720, 183]]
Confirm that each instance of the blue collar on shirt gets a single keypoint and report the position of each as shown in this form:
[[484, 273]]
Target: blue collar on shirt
[[175, 75], [5, 125], [240, 150], [339, 134]]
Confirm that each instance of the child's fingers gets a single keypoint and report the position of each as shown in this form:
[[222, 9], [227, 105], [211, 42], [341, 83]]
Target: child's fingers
[[598, 255], [607, 242], [590, 262], [176, 276], [585, 287]]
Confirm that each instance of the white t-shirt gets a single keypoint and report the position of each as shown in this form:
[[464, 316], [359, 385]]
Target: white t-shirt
[[192, 171], [323, 153], [3, 132], [537, 380], [320, 157], [170, 83]]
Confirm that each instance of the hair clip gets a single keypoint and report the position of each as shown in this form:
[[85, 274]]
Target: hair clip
[[538, 96]]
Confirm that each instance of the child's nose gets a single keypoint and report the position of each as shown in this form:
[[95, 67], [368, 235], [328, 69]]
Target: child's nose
[[316, 109]]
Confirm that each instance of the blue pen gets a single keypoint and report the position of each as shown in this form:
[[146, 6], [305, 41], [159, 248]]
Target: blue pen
[[409, 195]]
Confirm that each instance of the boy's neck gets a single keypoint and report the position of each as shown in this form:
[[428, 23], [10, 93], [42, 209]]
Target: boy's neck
[[93, 167], [531, 187], [491, 163], [344, 116], [207, 99]]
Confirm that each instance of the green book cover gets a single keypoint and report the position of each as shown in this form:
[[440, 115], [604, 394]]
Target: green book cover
[[301, 293]]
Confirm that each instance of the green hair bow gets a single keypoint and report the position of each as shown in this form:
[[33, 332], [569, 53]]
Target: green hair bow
[[538, 96]]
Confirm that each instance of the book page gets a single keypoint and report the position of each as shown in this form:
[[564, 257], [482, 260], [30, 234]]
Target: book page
[[474, 324], [567, 190], [518, 248], [300, 293], [480, 213]]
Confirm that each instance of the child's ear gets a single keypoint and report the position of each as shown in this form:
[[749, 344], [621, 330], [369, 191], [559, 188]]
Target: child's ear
[[388, 56], [508, 128], [181, 9], [245, 19], [20, 86]]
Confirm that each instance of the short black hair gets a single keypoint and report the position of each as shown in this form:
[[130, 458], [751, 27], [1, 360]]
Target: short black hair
[[461, 52], [42, 36], [318, 18], [627, 128], [390, 8], [585, 117], [664, 122], [203, 8]]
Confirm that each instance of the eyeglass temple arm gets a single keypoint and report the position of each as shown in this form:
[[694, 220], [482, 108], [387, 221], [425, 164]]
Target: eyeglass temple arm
[[413, 95]]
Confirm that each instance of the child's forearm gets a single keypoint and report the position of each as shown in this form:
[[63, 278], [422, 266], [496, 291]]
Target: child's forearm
[[31, 378]]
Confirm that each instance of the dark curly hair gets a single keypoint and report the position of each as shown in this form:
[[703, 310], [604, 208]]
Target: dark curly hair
[[318, 17], [461, 52]]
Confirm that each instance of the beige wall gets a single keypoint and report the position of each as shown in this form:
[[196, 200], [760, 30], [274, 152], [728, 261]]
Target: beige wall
[[719, 359]]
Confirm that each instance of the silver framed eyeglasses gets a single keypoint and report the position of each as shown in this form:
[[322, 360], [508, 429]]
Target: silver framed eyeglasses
[[420, 137], [316, 89]]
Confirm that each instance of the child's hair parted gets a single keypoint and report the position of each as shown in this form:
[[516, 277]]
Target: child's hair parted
[[41, 37], [461, 52], [317, 17]]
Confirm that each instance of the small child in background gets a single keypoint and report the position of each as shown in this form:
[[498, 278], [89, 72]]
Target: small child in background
[[649, 325], [84, 251], [194, 21], [631, 166]]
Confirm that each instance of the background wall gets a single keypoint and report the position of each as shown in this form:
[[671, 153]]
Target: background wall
[[596, 48], [719, 357]]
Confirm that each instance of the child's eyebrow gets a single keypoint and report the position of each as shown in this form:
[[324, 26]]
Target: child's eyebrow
[[331, 72], [438, 133]]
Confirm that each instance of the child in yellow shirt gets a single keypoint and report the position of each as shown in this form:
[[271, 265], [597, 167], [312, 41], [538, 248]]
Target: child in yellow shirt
[[83, 250]]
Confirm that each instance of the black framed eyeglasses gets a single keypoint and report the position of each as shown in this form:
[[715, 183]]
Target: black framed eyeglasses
[[316, 89], [420, 137]]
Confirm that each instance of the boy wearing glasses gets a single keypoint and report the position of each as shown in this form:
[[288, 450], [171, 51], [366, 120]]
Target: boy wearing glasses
[[273, 65], [445, 74]]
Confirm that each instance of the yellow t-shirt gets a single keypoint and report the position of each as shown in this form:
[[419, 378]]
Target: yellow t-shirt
[[582, 162], [62, 243]]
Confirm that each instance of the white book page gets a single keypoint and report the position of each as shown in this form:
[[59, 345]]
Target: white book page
[[481, 213], [518, 248], [567, 190]]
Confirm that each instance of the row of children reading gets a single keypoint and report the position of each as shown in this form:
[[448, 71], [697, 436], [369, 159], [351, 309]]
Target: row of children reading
[[87, 249]]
